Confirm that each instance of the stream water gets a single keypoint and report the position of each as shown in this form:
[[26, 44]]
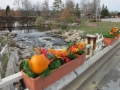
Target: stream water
[[39, 38]]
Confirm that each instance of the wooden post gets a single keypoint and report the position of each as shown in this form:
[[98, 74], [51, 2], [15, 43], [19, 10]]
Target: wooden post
[[8, 52], [91, 39], [86, 42], [0, 62], [0, 65], [0, 68]]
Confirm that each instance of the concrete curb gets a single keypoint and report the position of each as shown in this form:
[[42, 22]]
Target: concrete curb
[[91, 66], [62, 82], [74, 79]]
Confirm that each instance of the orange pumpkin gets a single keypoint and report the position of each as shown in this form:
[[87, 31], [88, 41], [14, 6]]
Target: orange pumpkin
[[38, 63]]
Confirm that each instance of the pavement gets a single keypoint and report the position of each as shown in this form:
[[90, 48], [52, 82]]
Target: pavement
[[107, 79], [112, 19], [104, 74], [111, 80]]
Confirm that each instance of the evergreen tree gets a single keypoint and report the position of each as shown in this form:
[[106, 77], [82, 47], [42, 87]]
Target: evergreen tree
[[57, 4], [57, 7], [106, 7], [103, 7], [104, 12], [77, 10], [7, 10]]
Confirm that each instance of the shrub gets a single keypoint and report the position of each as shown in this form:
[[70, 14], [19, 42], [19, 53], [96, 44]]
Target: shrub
[[77, 21], [54, 26], [39, 20], [64, 26]]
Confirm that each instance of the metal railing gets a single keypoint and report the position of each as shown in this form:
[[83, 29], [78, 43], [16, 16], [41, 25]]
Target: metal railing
[[3, 51]]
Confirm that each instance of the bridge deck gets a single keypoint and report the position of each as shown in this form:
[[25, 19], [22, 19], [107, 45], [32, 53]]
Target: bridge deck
[[13, 18]]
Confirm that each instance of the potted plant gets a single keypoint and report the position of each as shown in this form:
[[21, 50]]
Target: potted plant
[[112, 36], [51, 65]]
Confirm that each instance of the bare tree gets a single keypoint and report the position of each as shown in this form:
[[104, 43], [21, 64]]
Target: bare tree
[[94, 6], [90, 7], [70, 5], [84, 7], [37, 8], [45, 8], [18, 5], [27, 6]]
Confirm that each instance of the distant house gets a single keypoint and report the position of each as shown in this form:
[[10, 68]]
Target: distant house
[[118, 15], [16, 13], [90, 15], [0, 13]]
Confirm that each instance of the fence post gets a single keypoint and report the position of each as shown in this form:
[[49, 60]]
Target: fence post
[[0, 68], [8, 47], [86, 42], [0, 63], [91, 39]]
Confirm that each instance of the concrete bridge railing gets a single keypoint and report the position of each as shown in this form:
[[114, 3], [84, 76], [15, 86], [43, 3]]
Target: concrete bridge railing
[[93, 58]]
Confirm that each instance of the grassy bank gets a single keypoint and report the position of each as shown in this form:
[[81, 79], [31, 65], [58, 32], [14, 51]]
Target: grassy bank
[[4, 64], [102, 27]]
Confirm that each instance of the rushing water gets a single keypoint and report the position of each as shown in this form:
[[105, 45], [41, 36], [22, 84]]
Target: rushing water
[[39, 38]]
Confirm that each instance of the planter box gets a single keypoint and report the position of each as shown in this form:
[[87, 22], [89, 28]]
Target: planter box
[[40, 84], [32, 84], [109, 41], [83, 58]]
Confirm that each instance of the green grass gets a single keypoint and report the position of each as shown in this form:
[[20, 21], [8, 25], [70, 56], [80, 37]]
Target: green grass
[[102, 27], [1, 41], [4, 64]]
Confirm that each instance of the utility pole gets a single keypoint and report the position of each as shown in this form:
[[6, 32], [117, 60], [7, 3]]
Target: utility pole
[[96, 9]]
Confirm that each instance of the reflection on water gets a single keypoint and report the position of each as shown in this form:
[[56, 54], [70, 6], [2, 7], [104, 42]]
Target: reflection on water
[[24, 29], [34, 36], [22, 26]]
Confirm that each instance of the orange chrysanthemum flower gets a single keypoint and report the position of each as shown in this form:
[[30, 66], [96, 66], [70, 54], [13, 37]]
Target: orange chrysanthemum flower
[[81, 45], [58, 53], [73, 49], [114, 29]]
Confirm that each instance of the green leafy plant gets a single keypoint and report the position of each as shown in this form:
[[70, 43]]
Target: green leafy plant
[[26, 68], [56, 58], [113, 33]]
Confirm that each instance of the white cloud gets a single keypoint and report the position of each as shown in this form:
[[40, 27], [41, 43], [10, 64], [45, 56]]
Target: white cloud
[[111, 4], [4, 3]]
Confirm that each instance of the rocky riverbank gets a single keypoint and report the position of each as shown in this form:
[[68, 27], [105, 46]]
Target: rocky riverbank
[[25, 42], [71, 35]]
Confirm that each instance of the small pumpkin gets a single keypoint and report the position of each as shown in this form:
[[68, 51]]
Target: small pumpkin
[[38, 63]]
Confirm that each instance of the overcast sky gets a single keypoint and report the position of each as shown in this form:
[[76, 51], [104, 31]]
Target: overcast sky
[[112, 5]]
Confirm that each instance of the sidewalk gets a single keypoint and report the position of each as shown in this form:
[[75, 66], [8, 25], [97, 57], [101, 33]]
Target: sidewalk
[[111, 80], [112, 20], [106, 77]]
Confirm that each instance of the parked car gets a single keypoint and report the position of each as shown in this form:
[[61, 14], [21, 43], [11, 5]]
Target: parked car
[[106, 17]]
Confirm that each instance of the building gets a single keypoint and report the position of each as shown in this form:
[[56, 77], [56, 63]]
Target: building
[[118, 15]]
